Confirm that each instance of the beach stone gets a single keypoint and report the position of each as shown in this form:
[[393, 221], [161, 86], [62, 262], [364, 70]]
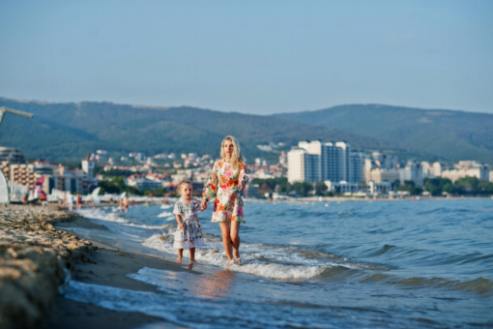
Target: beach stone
[[33, 258]]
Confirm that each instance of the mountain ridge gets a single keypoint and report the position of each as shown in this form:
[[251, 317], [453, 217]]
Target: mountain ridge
[[70, 130]]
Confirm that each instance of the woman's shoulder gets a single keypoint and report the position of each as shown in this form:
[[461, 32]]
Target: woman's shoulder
[[218, 163]]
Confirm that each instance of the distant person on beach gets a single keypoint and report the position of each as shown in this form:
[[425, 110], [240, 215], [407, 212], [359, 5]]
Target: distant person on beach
[[69, 201], [189, 233], [225, 187], [78, 201], [123, 203]]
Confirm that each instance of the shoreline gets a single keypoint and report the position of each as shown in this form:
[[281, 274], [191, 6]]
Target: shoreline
[[37, 257], [109, 267]]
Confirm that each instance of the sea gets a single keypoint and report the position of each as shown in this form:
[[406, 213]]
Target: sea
[[350, 264]]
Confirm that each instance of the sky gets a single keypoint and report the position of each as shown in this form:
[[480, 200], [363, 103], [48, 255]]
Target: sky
[[257, 57]]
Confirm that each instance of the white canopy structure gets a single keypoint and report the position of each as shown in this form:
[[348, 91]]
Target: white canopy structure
[[5, 110], [4, 188]]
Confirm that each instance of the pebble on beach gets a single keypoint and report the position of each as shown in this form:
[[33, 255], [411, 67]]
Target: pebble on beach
[[33, 258]]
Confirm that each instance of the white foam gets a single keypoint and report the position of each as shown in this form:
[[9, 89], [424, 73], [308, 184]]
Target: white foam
[[166, 214], [255, 259], [113, 216]]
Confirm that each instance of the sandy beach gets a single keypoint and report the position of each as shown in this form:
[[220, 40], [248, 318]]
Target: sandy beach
[[36, 258], [109, 267]]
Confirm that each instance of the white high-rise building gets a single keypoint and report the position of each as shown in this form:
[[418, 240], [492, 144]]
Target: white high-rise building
[[311, 147], [314, 161], [344, 151], [303, 166], [88, 167], [296, 165], [330, 163], [356, 172]]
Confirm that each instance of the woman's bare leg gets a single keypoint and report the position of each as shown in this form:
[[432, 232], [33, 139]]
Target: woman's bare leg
[[225, 227], [235, 238]]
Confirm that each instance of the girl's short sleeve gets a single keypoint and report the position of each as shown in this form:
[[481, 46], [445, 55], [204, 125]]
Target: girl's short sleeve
[[178, 209], [195, 206]]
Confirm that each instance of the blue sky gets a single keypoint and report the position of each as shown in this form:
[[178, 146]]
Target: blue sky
[[250, 56]]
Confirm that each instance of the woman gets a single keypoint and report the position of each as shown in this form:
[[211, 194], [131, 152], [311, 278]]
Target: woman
[[225, 186]]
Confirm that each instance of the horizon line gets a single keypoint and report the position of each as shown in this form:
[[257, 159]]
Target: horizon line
[[164, 107]]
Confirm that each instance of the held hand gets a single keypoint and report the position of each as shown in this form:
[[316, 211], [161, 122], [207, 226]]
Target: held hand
[[203, 205]]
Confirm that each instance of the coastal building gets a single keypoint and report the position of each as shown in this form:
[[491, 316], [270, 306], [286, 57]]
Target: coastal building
[[296, 165], [380, 175], [11, 155], [375, 188], [431, 170], [385, 161], [356, 168], [22, 174], [467, 169], [314, 161], [412, 172], [89, 166]]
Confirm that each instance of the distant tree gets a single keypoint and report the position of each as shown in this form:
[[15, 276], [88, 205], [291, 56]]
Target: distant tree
[[116, 185], [473, 186], [436, 186], [320, 188], [117, 172], [410, 187], [301, 188]]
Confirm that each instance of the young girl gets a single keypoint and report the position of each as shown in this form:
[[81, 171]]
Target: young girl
[[189, 233]]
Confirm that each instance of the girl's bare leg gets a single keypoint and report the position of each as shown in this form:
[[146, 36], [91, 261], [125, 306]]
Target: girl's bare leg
[[179, 257], [192, 258], [225, 227], [235, 238]]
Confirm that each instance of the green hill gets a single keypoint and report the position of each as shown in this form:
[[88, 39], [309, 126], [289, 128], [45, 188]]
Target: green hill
[[432, 134], [68, 131]]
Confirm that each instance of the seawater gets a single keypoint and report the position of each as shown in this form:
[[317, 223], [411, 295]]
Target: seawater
[[352, 264]]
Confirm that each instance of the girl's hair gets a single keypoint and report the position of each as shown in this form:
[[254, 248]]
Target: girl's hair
[[181, 184], [236, 156]]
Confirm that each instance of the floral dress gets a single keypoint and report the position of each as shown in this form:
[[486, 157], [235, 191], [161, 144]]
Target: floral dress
[[191, 235], [224, 187]]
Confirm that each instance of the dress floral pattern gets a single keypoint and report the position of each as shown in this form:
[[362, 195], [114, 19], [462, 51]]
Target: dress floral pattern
[[191, 236], [224, 187]]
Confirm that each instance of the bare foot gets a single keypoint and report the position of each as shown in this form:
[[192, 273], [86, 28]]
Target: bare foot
[[179, 260], [190, 266], [237, 260]]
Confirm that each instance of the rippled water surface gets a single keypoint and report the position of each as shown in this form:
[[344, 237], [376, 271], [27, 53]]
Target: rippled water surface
[[393, 264]]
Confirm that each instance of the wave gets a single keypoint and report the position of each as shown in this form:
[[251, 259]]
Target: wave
[[286, 263], [481, 286], [113, 215]]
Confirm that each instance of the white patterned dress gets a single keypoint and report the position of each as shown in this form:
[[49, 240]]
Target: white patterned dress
[[191, 236]]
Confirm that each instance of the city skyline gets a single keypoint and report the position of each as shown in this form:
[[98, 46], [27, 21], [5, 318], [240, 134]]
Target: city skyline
[[257, 58]]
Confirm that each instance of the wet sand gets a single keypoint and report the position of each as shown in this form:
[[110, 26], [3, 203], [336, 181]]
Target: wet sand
[[110, 267]]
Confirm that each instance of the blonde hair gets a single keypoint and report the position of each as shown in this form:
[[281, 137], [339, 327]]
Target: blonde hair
[[181, 184], [236, 156]]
